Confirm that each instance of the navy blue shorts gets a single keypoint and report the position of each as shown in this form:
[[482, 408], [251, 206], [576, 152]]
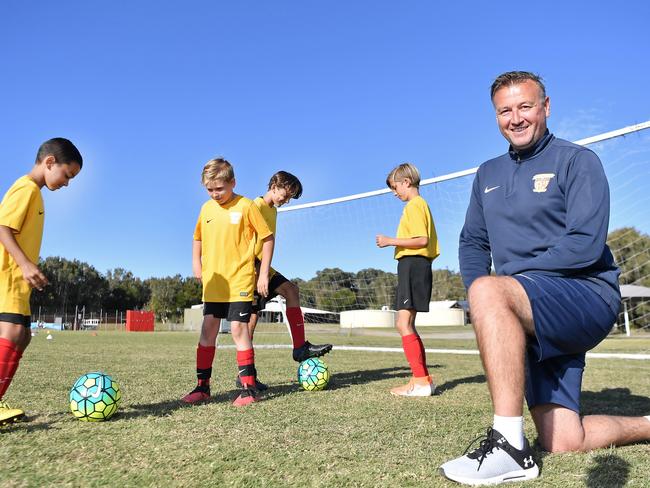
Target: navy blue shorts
[[570, 319]]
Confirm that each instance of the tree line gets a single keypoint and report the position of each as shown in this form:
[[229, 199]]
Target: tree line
[[77, 284]]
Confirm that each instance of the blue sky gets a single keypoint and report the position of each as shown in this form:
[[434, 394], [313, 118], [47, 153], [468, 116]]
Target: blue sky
[[335, 92]]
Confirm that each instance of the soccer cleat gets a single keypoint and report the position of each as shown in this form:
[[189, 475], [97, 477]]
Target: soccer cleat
[[258, 384], [416, 387], [8, 414], [494, 461], [197, 395], [308, 350], [246, 397]]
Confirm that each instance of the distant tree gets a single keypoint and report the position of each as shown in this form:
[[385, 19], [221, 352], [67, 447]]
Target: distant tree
[[447, 285], [631, 250], [125, 291], [72, 283], [171, 295]]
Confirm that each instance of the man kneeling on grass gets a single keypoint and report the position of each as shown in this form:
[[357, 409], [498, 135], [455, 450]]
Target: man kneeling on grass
[[541, 212]]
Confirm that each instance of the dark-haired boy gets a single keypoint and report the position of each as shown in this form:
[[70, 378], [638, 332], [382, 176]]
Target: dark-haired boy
[[22, 215]]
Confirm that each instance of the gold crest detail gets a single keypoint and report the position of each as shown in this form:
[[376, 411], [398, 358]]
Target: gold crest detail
[[541, 182]]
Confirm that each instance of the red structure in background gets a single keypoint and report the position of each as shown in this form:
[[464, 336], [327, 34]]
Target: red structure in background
[[137, 321]]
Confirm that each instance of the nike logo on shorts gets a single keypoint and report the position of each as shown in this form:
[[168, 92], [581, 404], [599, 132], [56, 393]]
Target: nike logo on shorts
[[406, 300], [488, 189], [243, 314]]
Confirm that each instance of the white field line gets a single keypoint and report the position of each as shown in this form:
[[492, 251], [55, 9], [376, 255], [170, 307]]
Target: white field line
[[466, 352]]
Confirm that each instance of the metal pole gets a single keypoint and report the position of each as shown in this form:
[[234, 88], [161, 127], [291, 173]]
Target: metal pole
[[627, 319]]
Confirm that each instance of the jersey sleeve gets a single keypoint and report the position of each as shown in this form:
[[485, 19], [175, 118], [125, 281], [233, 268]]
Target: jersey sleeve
[[257, 222], [474, 252], [15, 206], [197, 228], [587, 220]]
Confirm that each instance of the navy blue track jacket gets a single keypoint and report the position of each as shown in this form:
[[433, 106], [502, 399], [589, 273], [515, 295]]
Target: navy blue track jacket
[[545, 210]]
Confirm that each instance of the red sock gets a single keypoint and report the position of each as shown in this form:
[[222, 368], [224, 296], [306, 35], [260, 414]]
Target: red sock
[[246, 363], [414, 351], [9, 359], [204, 358], [297, 326]]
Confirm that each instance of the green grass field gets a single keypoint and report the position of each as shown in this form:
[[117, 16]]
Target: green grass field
[[352, 434]]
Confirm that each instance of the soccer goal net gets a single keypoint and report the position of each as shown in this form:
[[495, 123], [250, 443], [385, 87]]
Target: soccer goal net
[[328, 247]]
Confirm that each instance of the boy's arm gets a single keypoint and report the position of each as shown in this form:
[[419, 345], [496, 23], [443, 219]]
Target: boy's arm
[[406, 242], [30, 271], [267, 255], [197, 266]]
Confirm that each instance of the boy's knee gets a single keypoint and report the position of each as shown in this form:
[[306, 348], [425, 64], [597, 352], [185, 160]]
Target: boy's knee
[[291, 290]]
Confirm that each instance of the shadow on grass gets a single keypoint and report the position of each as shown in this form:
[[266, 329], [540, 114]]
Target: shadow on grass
[[346, 379], [25, 425], [450, 385], [165, 408], [608, 470], [614, 401]]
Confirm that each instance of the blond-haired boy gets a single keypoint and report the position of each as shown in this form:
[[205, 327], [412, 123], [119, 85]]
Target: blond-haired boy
[[223, 258], [416, 246]]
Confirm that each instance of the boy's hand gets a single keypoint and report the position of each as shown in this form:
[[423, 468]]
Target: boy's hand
[[198, 275], [382, 241], [263, 284], [34, 276]]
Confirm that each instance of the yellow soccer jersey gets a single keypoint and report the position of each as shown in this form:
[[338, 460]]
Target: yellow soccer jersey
[[228, 234], [21, 210], [416, 221]]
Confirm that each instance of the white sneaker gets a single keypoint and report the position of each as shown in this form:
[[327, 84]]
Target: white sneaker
[[494, 461]]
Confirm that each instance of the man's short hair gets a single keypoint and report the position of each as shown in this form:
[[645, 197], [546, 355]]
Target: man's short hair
[[217, 169], [514, 78]]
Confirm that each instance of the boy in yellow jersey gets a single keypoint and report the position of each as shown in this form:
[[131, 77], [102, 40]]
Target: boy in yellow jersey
[[223, 258], [416, 246], [283, 186], [22, 215]]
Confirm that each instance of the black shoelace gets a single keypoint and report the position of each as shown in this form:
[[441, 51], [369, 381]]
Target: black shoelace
[[486, 446]]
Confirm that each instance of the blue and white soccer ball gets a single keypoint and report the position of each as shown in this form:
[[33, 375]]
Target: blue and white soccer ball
[[313, 374], [94, 397]]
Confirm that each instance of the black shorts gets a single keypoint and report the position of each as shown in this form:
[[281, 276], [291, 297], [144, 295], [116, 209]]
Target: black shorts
[[231, 311], [16, 318], [276, 281], [414, 279]]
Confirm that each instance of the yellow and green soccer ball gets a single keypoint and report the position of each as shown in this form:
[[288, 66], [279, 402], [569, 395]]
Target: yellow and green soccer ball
[[313, 374], [94, 397]]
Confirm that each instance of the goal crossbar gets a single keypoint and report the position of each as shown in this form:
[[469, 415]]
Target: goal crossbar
[[459, 174]]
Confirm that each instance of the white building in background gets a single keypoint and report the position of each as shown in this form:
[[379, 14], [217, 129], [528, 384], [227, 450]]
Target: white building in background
[[193, 317], [443, 313]]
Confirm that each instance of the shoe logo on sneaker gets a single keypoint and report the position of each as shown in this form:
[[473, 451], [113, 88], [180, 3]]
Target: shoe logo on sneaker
[[501, 440], [528, 462]]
